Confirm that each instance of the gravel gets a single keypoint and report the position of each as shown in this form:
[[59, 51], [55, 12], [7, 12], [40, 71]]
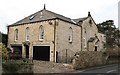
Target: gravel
[[50, 67]]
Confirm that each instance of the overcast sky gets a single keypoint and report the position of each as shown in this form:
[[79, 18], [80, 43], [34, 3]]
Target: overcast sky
[[12, 11]]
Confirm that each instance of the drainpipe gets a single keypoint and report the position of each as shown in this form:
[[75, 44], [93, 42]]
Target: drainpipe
[[55, 40]]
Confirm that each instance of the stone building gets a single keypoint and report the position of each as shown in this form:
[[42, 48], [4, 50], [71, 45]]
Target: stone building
[[90, 38], [48, 36]]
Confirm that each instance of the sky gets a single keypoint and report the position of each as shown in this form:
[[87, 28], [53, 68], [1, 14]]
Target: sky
[[12, 11]]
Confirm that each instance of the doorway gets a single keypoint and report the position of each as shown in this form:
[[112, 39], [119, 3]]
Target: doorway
[[41, 53], [27, 51], [95, 48]]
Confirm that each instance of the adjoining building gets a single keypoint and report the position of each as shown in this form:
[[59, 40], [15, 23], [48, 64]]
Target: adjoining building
[[49, 36]]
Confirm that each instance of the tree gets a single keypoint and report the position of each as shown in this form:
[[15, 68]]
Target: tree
[[112, 33], [4, 52], [3, 38]]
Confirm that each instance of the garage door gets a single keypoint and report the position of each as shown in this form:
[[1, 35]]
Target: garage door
[[41, 53]]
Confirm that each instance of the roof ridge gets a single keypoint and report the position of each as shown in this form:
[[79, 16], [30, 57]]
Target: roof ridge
[[58, 14], [46, 14], [81, 18]]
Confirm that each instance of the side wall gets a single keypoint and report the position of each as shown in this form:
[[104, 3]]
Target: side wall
[[66, 50], [91, 30]]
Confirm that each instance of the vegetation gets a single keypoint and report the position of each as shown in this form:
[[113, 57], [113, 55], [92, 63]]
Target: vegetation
[[112, 33], [17, 66], [11, 66], [112, 40], [3, 38], [4, 52]]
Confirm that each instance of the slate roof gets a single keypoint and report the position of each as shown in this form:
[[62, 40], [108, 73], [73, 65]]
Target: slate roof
[[42, 15], [80, 19]]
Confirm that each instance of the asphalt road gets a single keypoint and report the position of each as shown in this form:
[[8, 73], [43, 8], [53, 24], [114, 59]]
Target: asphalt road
[[107, 69]]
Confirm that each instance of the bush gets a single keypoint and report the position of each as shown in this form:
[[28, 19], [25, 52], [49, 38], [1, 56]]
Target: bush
[[115, 52], [11, 66], [4, 52]]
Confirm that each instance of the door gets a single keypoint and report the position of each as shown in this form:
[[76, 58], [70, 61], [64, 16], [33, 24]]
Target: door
[[27, 51]]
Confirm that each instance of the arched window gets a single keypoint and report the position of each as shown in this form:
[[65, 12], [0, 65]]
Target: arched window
[[85, 38], [16, 34], [27, 34], [41, 33], [70, 35]]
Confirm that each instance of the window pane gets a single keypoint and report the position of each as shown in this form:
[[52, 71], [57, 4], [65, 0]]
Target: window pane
[[16, 34], [27, 34]]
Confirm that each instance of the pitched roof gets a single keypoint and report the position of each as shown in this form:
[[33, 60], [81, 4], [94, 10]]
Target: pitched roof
[[42, 15], [80, 19]]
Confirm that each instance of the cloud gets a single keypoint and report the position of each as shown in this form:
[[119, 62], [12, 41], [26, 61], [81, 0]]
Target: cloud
[[3, 25], [101, 10]]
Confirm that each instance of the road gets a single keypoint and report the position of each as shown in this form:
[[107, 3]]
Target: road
[[108, 69]]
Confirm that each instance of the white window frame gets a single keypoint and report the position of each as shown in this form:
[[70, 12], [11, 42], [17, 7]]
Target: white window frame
[[16, 34], [41, 33], [27, 35]]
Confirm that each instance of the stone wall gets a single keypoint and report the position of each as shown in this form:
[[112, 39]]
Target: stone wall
[[66, 49], [91, 30], [34, 36], [85, 59]]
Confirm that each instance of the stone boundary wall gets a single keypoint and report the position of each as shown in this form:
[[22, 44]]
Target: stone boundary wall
[[84, 59]]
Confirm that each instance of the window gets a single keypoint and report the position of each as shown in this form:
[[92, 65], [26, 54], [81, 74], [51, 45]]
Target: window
[[90, 22], [70, 35], [16, 34], [31, 17], [27, 34], [85, 40], [41, 33]]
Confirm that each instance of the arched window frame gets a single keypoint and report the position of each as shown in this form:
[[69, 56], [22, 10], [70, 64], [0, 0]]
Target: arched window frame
[[27, 34], [16, 34], [70, 35], [41, 33]]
